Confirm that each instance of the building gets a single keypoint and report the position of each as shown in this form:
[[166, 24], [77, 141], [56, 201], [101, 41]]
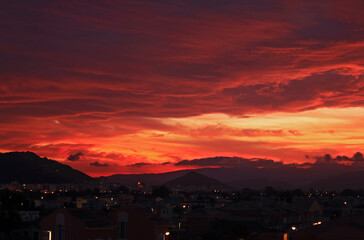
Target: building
[[125, 223], [137, 223], [75, 223], [348, 227]]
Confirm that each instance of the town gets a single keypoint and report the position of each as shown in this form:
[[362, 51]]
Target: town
[[104, 210]]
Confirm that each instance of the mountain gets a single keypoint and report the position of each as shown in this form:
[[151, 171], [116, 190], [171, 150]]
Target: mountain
[[27, 167], [194, 179], [148, 178], [352, 180], [255, 174]]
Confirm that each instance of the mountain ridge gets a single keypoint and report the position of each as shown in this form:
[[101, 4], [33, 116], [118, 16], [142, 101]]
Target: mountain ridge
[[193, 178], [28, 167]]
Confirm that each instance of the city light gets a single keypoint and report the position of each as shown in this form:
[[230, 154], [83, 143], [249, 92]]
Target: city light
[[49, 235]]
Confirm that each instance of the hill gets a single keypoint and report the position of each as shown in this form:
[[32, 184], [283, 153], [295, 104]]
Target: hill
[[194, 179], [248, 174], [27, 167], [148, 178], [352, 180]]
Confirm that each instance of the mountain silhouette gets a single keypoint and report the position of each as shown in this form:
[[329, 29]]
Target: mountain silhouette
[[147, 178], [352, 180], [253, 173], [27, 167], [194, 179]]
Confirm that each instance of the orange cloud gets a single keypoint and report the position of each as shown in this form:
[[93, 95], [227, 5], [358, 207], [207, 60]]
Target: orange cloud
[[153, 82]]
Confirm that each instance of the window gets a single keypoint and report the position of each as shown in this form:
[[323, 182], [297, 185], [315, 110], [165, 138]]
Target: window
[[123, 226], [122, 230], [60, 233]]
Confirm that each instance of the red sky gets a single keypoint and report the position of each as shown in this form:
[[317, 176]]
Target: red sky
[[150, 82]]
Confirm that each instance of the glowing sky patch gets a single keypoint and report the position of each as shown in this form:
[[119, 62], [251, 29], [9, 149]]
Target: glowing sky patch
[[137, 84]]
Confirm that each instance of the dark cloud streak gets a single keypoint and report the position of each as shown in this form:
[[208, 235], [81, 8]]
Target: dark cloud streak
[[97, 164], [75, 157]]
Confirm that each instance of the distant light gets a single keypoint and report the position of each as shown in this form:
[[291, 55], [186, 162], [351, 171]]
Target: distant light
[[319, 222], [167, 233], [294, 228], [345, 203]]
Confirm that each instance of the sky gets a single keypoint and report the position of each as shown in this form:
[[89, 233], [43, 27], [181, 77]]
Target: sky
[[139, 86]]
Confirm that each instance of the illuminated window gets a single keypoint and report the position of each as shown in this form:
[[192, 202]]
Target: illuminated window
[[285, 236]]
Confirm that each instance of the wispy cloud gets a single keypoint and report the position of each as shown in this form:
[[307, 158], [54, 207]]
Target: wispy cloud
[[158, 81]]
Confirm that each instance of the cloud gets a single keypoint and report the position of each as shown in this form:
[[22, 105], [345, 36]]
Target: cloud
[[75, 157], [97, 164], [356, 158], [110, 81], [138, 165], [229, 162], [221, 130], [143, 164], [169, 62], [326, 89], [295, 132]]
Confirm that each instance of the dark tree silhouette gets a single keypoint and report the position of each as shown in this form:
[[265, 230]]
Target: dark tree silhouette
[[161, 191]]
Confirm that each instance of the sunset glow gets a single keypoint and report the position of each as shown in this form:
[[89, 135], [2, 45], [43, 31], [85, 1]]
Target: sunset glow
[[137, 86]]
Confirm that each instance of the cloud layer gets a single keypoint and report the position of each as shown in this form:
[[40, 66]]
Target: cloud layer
[[157, 81]]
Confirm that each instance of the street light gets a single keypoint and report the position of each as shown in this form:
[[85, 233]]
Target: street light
[[165, 235], [49, 235]]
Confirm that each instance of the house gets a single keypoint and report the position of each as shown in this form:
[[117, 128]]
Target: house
[[125, 223], [75, 223], [27, 216], [138, 223], [25, 231], [348, 227]]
